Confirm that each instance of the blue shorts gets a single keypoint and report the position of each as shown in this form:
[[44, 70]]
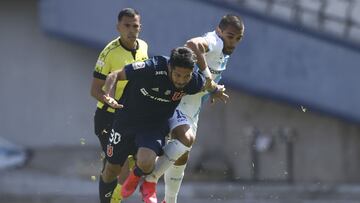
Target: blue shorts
[[121, 145]]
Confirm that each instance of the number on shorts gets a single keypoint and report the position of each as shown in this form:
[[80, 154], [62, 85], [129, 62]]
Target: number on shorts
[[180, 115], [115, 137]]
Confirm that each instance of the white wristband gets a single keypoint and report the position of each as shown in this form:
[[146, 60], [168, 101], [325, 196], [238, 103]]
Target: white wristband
[[207, 73]]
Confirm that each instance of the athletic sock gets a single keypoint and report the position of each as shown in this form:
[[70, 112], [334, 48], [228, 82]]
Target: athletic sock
[[173, 178], [172, 151], [106, 190]]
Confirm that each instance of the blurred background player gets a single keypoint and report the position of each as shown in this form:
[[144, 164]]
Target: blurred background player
[[125, 49], [212, 51]]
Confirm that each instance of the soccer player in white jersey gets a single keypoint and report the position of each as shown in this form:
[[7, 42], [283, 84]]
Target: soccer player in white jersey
[[212, 51]]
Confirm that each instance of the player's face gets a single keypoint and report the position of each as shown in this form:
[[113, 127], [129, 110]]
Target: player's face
[[129, 28], [231, 36], [181, 76]]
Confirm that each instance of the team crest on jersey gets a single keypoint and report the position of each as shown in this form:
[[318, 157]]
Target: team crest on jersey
[[138, 65], [177, 96], [110, 151]]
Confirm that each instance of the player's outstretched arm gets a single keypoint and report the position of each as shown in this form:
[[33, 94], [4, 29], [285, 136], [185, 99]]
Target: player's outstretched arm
[[112, 78], [110, 81], [199, 46], [219, 94], [111, 102], [217, 91]]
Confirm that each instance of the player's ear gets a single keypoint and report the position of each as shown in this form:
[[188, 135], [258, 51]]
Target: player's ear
[[118, 27], [218, 30]]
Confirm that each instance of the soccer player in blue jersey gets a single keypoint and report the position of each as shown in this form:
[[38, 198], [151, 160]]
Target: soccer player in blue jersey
[[213, 50], [155, 88]]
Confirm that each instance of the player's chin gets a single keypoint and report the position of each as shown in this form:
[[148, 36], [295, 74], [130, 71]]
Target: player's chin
[[180, 86], [228, 51], [132, 37]]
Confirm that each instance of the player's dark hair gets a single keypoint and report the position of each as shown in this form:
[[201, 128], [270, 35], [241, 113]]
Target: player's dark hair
[[128, 12], [182, 57], [231, 20]]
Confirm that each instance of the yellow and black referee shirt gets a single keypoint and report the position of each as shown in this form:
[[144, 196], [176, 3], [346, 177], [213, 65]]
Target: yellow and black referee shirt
[[114, 57]]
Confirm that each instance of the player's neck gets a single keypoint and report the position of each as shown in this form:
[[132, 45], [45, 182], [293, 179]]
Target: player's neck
[[130, 45]]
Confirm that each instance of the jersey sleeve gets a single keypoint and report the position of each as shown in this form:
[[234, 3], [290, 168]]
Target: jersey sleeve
[[196, 84], [211, 41], [102, 66], [141, 69]]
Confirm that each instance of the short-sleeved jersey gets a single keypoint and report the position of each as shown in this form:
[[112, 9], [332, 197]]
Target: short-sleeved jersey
[[114, 57], [150, 97], [216, 60]]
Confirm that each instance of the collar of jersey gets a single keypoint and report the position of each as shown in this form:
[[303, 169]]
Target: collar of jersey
[[131, 50]]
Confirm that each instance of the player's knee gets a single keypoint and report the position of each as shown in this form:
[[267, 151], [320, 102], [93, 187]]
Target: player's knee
[[146, 160], [184, 134], [146, 165], [182, 160], [187, 138], [110, 172]]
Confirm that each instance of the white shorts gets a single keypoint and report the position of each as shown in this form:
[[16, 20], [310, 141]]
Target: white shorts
[[180, 118]]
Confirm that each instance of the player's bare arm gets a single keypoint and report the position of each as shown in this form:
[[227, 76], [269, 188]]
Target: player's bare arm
[[96, 89], [200, 47], [219, 95], [217, 91], [110, 82]]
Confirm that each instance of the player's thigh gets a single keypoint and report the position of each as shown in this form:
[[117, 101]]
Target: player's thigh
[[182, 128], [102, 125], [178, 119], [119, 147], [152, 139]]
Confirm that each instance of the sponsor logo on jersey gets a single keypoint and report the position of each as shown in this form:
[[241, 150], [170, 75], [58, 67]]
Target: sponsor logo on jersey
[[138, 65], [162, 72], [146, 93]]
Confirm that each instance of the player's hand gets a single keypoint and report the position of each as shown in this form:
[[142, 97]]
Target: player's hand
[[209, 84], [112, 102], [219, 94]]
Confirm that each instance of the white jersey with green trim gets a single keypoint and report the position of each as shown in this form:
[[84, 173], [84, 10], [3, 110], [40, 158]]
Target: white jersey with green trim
[[190, 105]]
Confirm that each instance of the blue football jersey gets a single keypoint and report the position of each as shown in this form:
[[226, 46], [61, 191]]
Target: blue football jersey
[[150, 97]]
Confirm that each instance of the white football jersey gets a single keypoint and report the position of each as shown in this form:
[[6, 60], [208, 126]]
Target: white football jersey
[[216, 60]]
